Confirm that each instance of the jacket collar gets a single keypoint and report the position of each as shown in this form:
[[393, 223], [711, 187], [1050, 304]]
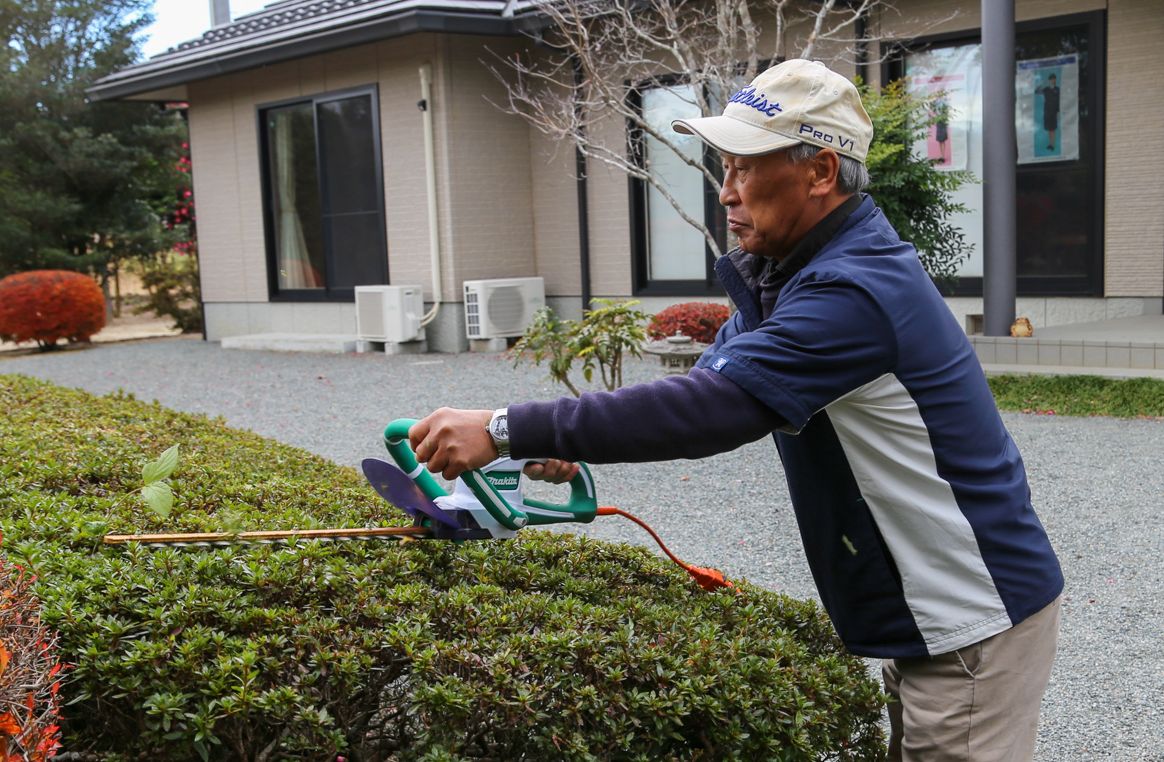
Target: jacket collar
[[741, 272]]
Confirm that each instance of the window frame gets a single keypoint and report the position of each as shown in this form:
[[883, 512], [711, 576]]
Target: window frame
[[714, 215], [1092, 284], [327, 293]]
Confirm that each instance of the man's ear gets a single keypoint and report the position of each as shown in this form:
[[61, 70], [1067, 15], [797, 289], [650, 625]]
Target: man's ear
[[824, 170]]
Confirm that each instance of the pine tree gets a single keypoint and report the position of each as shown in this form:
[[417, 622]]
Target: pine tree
[[83, 185]]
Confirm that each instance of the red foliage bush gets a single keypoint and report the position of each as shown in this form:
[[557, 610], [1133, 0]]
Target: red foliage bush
[[699, 320], [29, 673], [47, 305]]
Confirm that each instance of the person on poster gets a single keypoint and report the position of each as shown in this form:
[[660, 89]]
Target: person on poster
[[941, 116], [1050, 95]]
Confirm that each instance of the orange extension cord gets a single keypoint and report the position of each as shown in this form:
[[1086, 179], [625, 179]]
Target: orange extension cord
[[708, 579]]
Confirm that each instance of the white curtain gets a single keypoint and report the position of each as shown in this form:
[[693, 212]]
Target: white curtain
[[295, 268]]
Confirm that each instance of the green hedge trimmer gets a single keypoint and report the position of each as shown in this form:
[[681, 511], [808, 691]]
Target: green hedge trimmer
[[485, 504]]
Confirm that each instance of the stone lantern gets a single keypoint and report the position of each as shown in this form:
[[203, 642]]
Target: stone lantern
[[678, 353]]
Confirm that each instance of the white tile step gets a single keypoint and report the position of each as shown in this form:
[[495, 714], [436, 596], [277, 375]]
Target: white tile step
[[292, 342]]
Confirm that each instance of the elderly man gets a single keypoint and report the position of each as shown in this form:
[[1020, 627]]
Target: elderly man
[[911, 497]]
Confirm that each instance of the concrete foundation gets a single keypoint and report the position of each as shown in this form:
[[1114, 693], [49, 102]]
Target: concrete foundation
[[1046, 312], [392, 348]]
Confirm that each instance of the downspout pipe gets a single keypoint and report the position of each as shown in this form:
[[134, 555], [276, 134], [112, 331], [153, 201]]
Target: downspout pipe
[[999, 149], [434, 239]]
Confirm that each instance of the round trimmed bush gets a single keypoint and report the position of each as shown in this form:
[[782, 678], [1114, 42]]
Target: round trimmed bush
[[546, 647], [699, 320], [47, 305]]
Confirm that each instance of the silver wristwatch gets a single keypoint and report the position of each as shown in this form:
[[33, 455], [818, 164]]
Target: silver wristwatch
[[498, 428]]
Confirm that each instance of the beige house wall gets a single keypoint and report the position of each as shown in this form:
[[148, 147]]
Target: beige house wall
[[1134, 179], [216, 158], [488, 188], [402, 148], [554, 211], [608, 196]]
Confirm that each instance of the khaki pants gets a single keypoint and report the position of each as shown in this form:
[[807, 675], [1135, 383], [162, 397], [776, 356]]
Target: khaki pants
[[977, 704]]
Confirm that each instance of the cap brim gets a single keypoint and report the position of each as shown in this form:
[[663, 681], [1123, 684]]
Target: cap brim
[[734, 136]]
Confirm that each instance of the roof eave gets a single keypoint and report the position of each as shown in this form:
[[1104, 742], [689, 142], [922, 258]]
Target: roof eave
[[114, 87]]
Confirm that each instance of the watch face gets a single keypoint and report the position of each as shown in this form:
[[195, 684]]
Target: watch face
[[500, 428]]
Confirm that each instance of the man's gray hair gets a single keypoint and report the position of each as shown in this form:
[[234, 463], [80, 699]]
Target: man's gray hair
[[853, 177]]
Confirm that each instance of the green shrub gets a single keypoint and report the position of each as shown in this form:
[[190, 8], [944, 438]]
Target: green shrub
[[545, 647], [1079, 395], [607, 331], [173, 287]]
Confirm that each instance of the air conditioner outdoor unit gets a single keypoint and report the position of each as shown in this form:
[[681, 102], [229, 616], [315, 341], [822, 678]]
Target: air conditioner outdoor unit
[[389, 313], [502, 307]]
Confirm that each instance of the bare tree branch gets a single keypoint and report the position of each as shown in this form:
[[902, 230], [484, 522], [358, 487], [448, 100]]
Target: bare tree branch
[[594, 54]]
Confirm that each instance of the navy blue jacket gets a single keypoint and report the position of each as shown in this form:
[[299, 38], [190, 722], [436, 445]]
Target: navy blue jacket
[[910, 495]]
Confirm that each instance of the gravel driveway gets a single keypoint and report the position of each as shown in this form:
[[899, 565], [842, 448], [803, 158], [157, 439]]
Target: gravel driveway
[[1098, 484]]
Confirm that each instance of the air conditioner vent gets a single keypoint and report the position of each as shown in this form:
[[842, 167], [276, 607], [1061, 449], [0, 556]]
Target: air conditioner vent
[[507, 309], [503, 307]]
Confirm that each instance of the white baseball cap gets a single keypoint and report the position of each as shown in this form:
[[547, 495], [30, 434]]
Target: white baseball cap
[[797, 101]]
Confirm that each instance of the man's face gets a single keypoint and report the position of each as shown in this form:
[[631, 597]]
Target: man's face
[[766, 198]]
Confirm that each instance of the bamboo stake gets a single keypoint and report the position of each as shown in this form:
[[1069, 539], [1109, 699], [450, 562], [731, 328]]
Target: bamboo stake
[[228, 538]]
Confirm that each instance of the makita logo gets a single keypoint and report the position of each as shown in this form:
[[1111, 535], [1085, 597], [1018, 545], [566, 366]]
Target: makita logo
[[748, 97], [506, 480]]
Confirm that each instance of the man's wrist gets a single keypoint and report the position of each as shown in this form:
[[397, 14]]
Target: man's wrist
[[498, 429]]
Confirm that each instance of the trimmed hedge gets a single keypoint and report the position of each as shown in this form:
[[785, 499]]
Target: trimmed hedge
[[49, 305], [549, 646]]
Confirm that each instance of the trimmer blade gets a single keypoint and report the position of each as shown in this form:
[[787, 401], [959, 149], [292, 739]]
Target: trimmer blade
[[393, 485]]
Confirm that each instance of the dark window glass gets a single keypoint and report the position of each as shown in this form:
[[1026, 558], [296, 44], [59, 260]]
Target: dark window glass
[[351, 236], [1056, 210], [1055, 217], [347, 151], [324, 205]]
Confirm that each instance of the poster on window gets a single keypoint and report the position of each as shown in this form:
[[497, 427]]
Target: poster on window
[[947, 136], [1047, 109], [955, 72]]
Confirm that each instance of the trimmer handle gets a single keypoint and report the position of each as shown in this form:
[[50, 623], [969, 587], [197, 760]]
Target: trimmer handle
[[396, 440], [581, 508]]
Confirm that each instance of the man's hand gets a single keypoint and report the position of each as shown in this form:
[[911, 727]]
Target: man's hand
[[450, 441], [553, 470]]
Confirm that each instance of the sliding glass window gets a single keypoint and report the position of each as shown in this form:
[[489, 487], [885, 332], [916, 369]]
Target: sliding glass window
[[323, 198], [670, 256]]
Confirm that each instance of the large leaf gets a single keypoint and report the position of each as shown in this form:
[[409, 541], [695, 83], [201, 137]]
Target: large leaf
[[161, 468], [158, 497]]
